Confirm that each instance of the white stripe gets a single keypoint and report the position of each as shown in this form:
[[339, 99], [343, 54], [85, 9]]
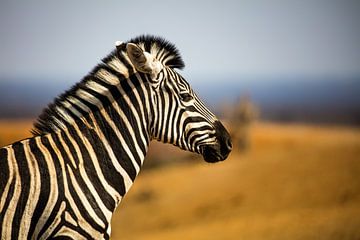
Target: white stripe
[[88, 97], [177, 131], [83, 198], [10, 178], [204, 140], [98, 88], [67, 150], [82, 222], [127, 180], [78, 103], [129, 61], [64, 114], [55, 223], [70, 219], [59, 124], [70, 107], [116, 196], [84, 175], [137, 118], [118, 66], [10, 211], [34, 190], [68, 232], [53, 191]]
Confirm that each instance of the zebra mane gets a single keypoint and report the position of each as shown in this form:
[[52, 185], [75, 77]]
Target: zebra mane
[[164, 51]]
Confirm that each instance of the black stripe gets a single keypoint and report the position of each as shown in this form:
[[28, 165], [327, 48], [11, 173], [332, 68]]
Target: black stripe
[[60, 186], [203, 128], [4, 167], [45, 185], [61, 238], [6, 204], [127, 64], [93, 108], [172, 120], [69, 112], [159, 108], [112, 139], [124, 106], [83, 211], [111, 88], [111, 175], [71, 148], [139, 106], [77, 107], [140, 88], [177, 125], [77, 229], [25, 187], [164, 114], [81, 184], [110, 70], [114, 115], [196, 136], [90, 173], [89, 166], [102, 98]]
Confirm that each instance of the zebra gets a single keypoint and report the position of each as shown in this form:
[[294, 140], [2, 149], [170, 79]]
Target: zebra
[[89, 144]]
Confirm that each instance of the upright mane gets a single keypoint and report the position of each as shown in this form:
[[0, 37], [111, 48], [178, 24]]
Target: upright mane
[[52, 119], [162, 49]]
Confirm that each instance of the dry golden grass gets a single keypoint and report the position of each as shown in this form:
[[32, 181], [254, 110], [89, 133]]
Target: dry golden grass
[[12, 130], [296, 182]]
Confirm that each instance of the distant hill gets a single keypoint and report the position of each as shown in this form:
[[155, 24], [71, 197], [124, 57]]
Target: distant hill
[[309, 100], [325, 101], [27, 98]]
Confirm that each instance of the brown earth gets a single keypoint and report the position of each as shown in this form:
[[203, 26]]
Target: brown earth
[[296, 182]]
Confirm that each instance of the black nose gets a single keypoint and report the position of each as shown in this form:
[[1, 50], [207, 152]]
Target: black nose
[[224, 139]]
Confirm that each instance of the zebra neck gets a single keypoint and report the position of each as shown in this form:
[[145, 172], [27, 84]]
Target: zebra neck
[[108, 115]]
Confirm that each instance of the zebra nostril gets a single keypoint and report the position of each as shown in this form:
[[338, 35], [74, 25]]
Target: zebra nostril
[[229, 144]]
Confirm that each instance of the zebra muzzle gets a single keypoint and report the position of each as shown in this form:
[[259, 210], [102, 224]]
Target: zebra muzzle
[[221, 149]]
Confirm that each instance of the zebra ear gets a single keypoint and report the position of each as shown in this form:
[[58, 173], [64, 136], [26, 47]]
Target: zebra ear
[[142, 61]]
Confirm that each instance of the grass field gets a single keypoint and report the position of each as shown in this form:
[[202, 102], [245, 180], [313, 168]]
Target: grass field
[[296, 182]]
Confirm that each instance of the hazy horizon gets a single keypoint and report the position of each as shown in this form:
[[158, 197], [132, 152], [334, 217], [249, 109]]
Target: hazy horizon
[[333, 101]]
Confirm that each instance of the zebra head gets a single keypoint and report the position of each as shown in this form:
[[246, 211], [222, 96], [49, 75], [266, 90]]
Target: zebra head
[[179, 116]]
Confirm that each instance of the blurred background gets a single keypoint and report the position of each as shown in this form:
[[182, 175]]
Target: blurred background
[[284, 76]]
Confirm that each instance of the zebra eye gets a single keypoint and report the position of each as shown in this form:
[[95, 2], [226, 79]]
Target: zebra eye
[[185, 96]]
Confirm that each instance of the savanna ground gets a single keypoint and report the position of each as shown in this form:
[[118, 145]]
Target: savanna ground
[[295, 182]]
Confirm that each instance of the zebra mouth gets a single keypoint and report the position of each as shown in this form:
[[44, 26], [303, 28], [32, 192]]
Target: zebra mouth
[[212, 154]]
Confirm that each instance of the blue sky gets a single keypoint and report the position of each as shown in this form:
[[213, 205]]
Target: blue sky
[[63, 40]]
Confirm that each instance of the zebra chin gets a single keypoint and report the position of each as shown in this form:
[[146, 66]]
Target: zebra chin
[[221, 149]]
